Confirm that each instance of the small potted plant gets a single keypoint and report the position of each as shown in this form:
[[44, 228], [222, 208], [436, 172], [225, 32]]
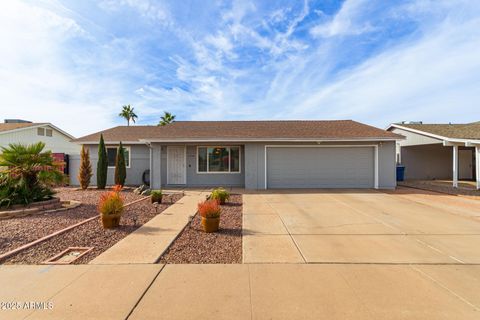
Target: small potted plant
[[210, 211], [220, 194], [156, 196], [111, 208]]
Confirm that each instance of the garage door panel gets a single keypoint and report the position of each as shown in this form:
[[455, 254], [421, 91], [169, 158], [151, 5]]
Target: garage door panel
[[320, 167]]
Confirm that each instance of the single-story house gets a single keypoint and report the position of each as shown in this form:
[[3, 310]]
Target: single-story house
[[26, 132], [252, 154], [439, 151]]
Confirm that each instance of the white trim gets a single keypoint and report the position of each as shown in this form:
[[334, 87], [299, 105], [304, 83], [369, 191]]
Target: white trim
[[150, 165], [229, 160], [451, 144], [375, 149], [375, 167], [240, 140], [129, 154], [111, 142], [184, 161], [455, 167], [431, 135], [423, 133], [265, 168], [477, 166]]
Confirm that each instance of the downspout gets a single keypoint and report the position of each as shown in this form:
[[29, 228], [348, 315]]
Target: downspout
[[150, 162]]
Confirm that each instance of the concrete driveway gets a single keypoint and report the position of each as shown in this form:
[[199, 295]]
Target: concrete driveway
[[350, 226], [401, 255]]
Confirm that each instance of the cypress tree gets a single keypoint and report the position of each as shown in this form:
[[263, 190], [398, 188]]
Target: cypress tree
[[120, 166], [85, 171], [102, 165]]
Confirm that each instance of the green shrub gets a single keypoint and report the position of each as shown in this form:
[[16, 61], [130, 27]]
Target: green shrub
[[102, 164], [120, 166], [220, 194], [156, 196], [30, 174]]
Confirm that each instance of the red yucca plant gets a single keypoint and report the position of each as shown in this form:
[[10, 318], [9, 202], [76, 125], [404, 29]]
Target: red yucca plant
[[117, 188], [111, 203], [209, 209]]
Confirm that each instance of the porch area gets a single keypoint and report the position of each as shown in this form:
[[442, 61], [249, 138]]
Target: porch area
[[447, 167]]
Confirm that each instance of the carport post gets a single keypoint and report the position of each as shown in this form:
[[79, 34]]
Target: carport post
[[455, 166], [477, 165]]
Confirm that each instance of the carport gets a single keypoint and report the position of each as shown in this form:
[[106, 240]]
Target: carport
[[439, 151]]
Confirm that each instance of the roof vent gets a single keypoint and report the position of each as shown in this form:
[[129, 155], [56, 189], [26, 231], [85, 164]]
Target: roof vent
[[416, 122], [16, 121]]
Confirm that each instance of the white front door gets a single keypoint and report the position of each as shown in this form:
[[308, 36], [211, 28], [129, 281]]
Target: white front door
[[465, 164], [176, 165]]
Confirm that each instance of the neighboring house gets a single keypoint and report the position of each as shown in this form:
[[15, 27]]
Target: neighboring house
[[439, 151], [25, 132], [252, 154]]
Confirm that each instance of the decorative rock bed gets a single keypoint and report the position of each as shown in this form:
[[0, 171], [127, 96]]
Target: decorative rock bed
[[52, 205]]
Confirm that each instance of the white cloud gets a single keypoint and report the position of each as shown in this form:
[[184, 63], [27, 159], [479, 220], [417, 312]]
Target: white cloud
[[38, 84], [249, 64], [434, 78], [346, 22], [150, 9]]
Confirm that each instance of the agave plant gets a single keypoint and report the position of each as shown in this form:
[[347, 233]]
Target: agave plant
[[28, 174]]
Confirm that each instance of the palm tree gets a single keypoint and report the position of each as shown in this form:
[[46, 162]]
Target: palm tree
[[128, 114], [30, 172], [166, 118]]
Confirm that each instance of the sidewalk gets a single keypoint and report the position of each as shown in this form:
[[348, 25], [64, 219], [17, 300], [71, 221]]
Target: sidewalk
[[147, 243], [280, 291]]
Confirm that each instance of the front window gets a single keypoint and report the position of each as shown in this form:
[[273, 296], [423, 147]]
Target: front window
[[112, 156], [219, 159]]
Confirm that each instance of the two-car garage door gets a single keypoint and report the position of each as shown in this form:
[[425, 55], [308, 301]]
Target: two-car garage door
[[320, 167]]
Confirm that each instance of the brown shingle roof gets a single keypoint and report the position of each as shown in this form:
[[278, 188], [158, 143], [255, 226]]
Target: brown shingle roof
[[13, 126], [455, 131], [248, 130]]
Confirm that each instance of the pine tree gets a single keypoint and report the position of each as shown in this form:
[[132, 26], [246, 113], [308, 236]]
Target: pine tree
[[85, 171], [120, 166], [102, 165]]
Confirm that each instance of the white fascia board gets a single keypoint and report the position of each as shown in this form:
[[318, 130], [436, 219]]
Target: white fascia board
[[423, 133], [446, 141], [472, 143], [108, 142], [266, 140]]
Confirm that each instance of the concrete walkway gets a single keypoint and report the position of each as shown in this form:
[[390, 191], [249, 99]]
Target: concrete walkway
[[246, 291], [147, 243]]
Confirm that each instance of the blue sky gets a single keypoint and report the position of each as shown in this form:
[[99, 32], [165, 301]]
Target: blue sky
[[75, 63]]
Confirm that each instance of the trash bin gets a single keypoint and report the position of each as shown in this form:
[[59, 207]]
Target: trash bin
[[400, 173]]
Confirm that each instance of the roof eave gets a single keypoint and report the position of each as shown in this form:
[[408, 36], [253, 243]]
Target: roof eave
[[439, 137], [38, 125], [270, 139]]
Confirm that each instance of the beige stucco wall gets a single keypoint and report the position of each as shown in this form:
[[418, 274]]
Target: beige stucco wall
[[427, 162]]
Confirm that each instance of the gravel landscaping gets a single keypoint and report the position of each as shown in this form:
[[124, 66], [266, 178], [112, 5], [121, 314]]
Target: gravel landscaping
[[16, 232], [90, 234], [464, 189], [193, 245]]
